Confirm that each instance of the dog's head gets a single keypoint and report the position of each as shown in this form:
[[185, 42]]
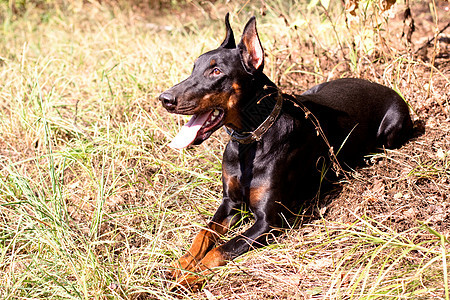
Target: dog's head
[[214, 92]]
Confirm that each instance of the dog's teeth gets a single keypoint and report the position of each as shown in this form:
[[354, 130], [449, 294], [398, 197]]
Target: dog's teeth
[[216, 113]]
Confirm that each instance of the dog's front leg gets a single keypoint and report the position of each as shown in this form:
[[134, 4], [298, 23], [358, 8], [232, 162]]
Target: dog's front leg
[[256, 236], [224, 218]]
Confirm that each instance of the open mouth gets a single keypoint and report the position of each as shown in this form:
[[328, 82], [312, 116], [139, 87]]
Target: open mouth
[[198, 129]]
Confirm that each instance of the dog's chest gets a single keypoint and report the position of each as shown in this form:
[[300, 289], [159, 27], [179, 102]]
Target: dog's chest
[[246, 169]]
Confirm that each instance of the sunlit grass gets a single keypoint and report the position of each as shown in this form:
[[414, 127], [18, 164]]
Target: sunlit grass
[[93, 204]]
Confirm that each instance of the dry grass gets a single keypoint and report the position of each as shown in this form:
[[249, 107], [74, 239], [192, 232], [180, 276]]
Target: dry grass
[[94, 205]]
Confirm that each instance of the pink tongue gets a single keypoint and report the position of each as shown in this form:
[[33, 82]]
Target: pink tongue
[[188, 132]]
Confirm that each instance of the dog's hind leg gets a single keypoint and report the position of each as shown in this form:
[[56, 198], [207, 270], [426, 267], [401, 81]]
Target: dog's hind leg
[[395, 128]]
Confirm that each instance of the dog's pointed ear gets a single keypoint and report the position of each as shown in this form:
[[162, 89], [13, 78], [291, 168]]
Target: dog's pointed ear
[[229, 42], [252, 53]]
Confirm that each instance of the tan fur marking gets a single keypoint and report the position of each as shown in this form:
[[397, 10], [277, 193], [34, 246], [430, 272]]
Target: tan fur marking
[[214, 258], [196, 252], [236, 87], [202, 242], [221, 228], [227, 101], [232, 101], [233, 118], [233, 183], [213, 100], [256, 195], [207, 97], [225, 176]]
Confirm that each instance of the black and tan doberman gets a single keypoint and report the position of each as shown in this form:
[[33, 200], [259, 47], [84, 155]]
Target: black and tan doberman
[[278, 143]]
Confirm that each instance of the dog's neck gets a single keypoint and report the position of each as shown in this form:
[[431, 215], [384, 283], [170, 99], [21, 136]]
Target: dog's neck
[[256, 109], [259, 112]]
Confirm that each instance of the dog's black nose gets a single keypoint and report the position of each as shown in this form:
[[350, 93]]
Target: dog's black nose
[[168, 100]]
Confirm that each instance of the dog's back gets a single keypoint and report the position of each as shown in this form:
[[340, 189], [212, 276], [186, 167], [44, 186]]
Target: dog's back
[[359, 115]]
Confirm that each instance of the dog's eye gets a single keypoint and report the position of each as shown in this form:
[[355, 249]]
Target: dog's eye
[[216, 71]]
